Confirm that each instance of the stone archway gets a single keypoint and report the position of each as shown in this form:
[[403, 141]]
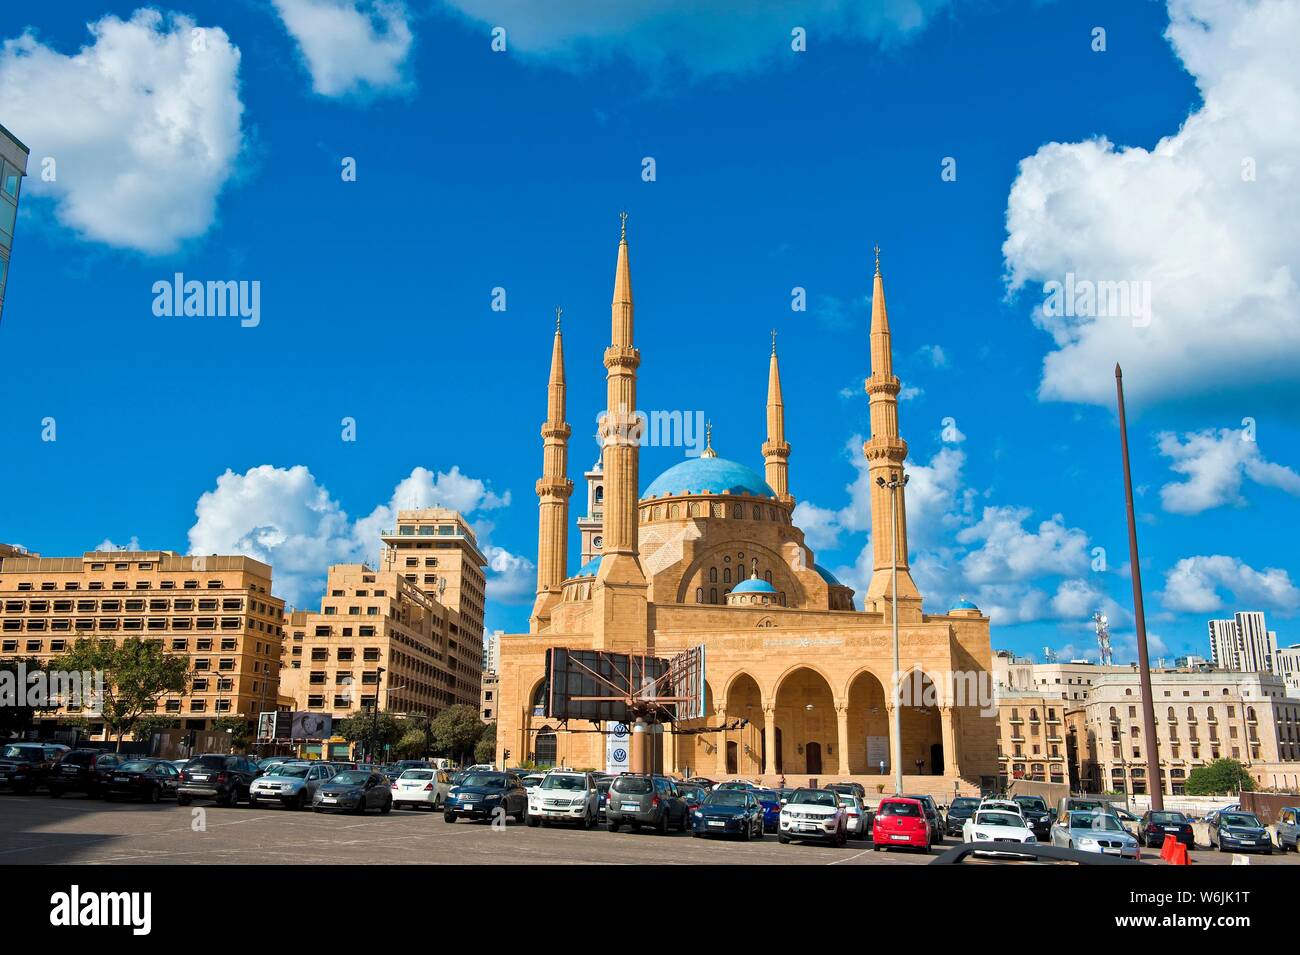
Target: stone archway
[[694, 751], [922, 726], [868, 725], [805, 714], [744, 702]]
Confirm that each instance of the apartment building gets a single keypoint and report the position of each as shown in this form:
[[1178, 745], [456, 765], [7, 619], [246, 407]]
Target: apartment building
[[488, 697], [13, 167], [1243, 643], [218, 611]]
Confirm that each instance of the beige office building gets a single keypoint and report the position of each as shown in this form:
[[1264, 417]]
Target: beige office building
[[218, 611]]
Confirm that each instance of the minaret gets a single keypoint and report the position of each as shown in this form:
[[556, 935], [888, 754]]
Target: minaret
[[776, 452], [885, 453], [619, 598], [553, 490]]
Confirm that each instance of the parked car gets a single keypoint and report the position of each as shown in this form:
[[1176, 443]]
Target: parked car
[[292, 785], [1037, 815], [25, 766], [1214, 813], [602, 793], [997, 827], [961, 809], [531, 781], [901, 821], [483, 793], [354, 790], [857, 789], [421, 787], [148, 779], [224, 779], [82, 771], [270, 762], [645, 801], [813, 814], [1094, 831], [729, 812], [933, 817], [565, 796], [1153, 827], [692, 795], [1240, 832], [855, 813], [704, 781], [770, 800], [741, 784], [1288, 829]]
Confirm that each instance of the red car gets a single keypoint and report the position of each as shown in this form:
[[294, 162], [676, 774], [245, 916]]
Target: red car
[[900, 822]]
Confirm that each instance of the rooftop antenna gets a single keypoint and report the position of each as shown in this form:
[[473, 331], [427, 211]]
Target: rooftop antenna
[[1103, 638], [1049, 655]]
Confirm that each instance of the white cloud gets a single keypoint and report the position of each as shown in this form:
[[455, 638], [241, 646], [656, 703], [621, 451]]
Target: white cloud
[[934, 354], [133, 544], [512, 579], [1193, 585], [350, 46], [1216, 463], [1009, 552], [820, 525], [723, 36], [286, 518], [143, 125], [1218, 251]]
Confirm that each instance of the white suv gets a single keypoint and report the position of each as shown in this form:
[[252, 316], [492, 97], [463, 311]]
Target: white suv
[[564, 795]]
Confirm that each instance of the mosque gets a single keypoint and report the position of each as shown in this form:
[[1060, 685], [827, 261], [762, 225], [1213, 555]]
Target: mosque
[[796, 678]]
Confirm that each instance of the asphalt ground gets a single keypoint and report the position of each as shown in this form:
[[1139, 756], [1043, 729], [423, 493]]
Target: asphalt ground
[[74, 829]]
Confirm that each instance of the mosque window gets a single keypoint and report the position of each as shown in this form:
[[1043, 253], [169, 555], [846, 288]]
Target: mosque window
[[673, 512], [737, 511], [600, 494], [771, 513], [713, 575], [726, 575], [758, 513], [767, 575], [699, 595], [783, 598], [713, 595]]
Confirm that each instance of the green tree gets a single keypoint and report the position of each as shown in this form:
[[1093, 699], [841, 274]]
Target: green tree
[[137, 674], [371, 731], [1219, 778], [456, 731], [146, 726], [238, 728], [15, 678], [413, 743], [485, 750]]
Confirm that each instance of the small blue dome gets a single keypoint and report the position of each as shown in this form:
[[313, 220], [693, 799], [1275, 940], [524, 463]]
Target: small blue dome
[[589, 568], [708, 476], [964, 604], [827, 576], [753, 585]]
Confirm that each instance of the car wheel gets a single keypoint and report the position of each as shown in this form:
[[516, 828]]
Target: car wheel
[[154, 794], [686, 822], [387, 807], [748, 833], [301, 802], [449, 817], [182, 799], [611, 826], [55, 792], [758, 831], [534, 822]]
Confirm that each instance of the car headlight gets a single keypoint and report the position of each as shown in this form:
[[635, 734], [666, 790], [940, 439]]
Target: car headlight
[[1088, 842], [1031, 839]]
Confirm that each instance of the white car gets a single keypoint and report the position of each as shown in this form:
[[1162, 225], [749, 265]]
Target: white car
[[855, 820], [531, 782], [996, 826], [565, 796], [813, 814], [1002, 805], [421, 789]]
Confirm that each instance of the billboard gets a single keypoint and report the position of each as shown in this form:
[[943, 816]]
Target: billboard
[[311, 725], [273, 725], [606, 687]]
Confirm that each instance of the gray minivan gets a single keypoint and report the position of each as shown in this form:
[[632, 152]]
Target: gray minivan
[[645, 801]]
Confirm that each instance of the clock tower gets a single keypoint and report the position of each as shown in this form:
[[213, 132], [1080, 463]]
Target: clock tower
[[589, 527]]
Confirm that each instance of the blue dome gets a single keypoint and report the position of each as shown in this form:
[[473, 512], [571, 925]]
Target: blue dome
[[964, 604], [753, 585], [589, 568], [708, 476], [827, 575]]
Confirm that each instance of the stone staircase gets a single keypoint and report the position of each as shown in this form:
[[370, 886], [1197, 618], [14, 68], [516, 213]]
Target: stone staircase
[[941, 788]]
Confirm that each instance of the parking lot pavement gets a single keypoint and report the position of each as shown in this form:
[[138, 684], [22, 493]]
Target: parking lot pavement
[[37, 829]]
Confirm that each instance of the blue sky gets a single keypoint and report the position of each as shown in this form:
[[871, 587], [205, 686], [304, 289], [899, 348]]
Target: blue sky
[[775, 169]]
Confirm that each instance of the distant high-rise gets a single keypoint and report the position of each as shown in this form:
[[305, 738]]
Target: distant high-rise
[[1243, 643], [1223, 644], [13, 166]]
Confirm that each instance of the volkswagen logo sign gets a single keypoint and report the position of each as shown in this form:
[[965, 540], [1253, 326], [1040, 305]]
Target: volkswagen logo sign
[[620, 754]]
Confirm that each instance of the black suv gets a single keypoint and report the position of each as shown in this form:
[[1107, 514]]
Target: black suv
[[83, 771], [24, 766], [959, 810], [1037, 815], [214, 776], [651, 801]]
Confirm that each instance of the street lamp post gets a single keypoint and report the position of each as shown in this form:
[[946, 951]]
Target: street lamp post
[[896, 728], [374, 722]]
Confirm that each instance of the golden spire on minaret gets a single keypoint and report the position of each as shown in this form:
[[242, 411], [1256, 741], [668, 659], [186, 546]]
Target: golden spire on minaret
[[553, 490], [620, 599], [776, 451], [885, 453], [708, 451]]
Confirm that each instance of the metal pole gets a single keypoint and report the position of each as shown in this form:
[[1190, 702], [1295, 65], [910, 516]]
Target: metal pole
[[897, 728], [1154, 783]]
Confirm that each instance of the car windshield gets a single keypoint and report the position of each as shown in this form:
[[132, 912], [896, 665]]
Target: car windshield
[[998, 819], [964, 805], [1239, 819], [417, 774], [24, 752], [725, 797], [632, 784], [766, 795], [353, 777], [136, 766], [486, 780], [289, 769], [1032, 802], [1168, 818], [570, 783], [1095, 820], [814, 797], [899, 809]]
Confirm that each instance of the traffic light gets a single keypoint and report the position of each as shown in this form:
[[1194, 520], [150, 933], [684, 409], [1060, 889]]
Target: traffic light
[[505, 754]]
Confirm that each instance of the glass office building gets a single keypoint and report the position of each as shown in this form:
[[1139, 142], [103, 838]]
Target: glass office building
[[13, 166]]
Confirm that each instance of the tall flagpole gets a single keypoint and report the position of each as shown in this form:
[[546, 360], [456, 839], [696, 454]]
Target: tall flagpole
[[1155, 785]]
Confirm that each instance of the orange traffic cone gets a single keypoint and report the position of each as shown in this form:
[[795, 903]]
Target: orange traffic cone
[[1167, 850], [1179, 855]]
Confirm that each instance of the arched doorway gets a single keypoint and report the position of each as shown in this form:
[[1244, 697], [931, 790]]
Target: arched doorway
[[922, 729], [745, 702], [805, 715], [544, 750], [868, 726]]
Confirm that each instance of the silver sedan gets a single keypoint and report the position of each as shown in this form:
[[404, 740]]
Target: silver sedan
[[1094, 832]]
